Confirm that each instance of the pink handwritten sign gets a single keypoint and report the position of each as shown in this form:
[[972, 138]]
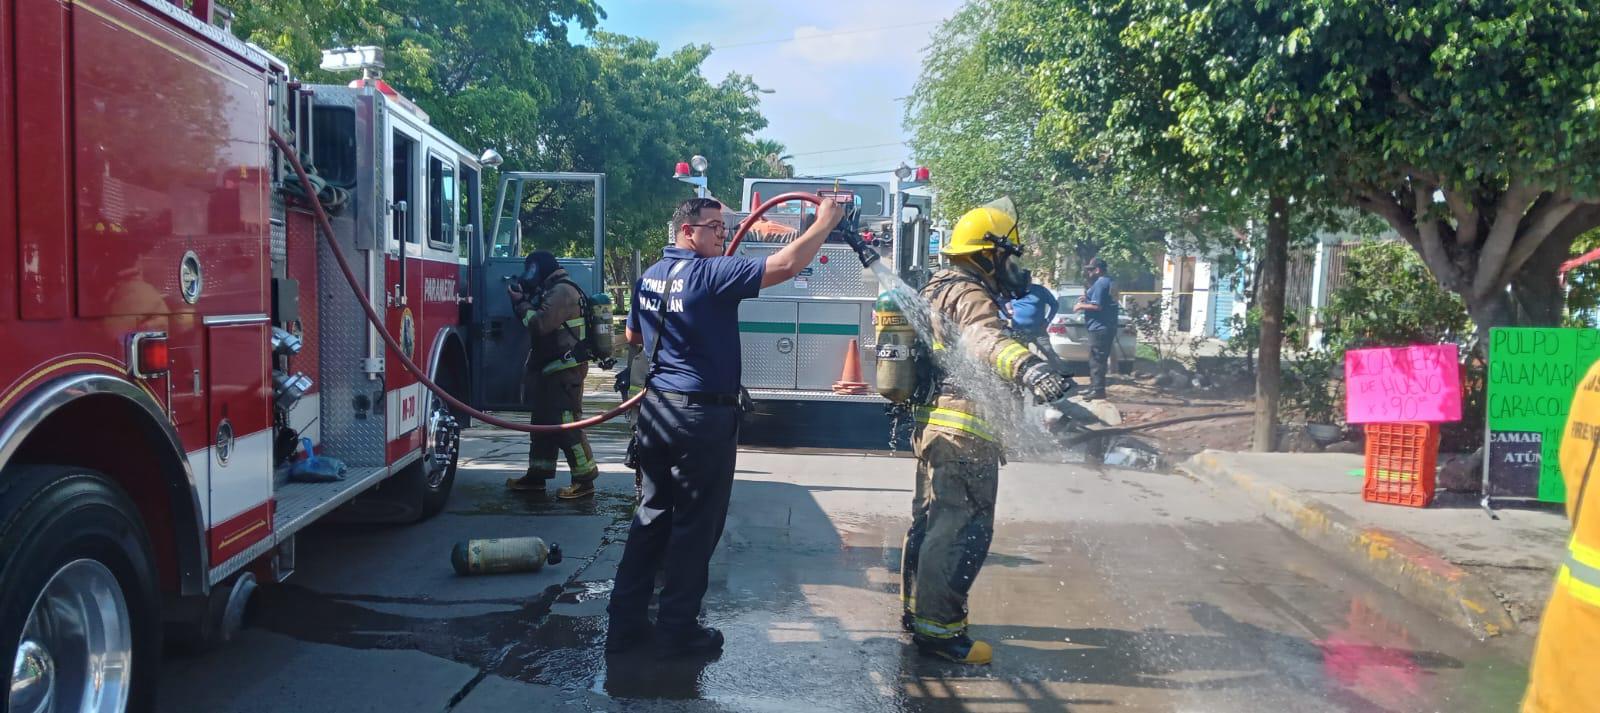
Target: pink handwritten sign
[[1421, 383]]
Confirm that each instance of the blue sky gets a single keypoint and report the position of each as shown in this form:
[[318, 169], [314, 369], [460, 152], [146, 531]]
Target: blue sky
[[839, 69]]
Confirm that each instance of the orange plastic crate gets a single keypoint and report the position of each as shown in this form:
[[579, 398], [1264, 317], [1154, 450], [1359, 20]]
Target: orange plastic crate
[[1400, 463]]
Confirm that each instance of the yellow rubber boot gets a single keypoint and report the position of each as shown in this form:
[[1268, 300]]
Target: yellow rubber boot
[[960, 649]]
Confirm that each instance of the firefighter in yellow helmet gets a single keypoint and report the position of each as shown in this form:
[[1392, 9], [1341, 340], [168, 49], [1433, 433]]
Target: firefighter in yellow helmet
[[1564, 678], [958, 453]]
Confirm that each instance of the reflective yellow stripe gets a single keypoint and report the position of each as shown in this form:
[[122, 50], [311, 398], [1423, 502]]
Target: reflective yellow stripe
[[580, 325], [529, 317], [560, 365], [1008, 359], [938, 346], [1580, 574], [937, 630], [951, 418]]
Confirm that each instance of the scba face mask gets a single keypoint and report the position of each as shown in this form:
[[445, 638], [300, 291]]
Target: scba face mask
[[1009, 275], [1012, 277]]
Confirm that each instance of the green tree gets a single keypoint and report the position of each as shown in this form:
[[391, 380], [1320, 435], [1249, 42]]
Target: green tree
[[977, 129], [1142, 85], [503, 74], [1468, 127], [765, 159]]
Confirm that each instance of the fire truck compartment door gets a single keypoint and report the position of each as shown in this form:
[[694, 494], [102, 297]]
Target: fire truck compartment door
[[825, 330], [767, 343], [501, 342], [240, 422]]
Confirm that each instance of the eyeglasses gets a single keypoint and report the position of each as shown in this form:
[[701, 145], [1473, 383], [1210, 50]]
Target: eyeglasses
[[716, 226]]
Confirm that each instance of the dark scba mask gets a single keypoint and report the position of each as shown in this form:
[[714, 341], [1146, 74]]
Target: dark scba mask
[[536, 268], [1009, 274], [1014, 279]]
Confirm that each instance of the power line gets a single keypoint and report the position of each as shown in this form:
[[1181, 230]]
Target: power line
[[848, 148], [824, 34]]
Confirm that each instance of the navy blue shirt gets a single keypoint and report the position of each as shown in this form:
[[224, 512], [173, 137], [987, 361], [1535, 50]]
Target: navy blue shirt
[[1099, 294], [1031, 313], [687, 309]]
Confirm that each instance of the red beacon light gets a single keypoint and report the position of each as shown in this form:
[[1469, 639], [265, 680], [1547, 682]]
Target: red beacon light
[[922, 174], [681, 170]]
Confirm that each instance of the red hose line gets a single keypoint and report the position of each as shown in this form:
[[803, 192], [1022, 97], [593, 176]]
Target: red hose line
[[761, 210], [394, 347]]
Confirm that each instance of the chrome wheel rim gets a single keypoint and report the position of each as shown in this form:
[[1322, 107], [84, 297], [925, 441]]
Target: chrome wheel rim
[[76, 650], [444, 439]]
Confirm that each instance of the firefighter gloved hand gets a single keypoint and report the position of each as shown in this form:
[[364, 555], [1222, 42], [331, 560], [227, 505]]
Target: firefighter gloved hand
[[1047, 385]]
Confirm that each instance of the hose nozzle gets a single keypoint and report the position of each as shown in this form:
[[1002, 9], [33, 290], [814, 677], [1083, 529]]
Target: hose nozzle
[[864, 252]]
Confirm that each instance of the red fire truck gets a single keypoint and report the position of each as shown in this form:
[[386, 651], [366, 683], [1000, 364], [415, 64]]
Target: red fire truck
[[177, 331]]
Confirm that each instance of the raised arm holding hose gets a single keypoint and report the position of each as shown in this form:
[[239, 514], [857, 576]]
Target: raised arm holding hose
[[686, 316]]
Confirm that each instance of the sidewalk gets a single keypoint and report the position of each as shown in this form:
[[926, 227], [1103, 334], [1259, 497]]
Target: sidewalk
[[1490, 576]]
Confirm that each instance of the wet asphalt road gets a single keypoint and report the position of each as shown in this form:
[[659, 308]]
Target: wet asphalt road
[[1105, 590]]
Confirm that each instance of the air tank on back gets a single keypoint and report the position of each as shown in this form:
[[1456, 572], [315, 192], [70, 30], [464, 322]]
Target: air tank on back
[[897, 373]]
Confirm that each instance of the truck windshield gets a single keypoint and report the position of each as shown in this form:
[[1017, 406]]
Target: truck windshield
[[870, 197]]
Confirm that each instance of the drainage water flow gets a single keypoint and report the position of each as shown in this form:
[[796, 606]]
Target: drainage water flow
[[1009, 411]]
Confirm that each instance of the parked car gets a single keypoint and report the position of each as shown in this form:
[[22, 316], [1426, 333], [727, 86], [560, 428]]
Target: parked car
[[1070, 339]]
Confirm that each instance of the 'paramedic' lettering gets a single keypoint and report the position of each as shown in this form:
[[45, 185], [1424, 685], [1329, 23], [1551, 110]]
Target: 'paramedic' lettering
[[438, 289]]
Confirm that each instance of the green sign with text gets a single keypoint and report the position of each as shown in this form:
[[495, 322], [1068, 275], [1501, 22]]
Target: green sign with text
[[1533, 373]]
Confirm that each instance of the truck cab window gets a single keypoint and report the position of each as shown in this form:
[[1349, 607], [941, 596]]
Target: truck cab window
[[466, 202], [404, 178], [441, 203], [869, 198]]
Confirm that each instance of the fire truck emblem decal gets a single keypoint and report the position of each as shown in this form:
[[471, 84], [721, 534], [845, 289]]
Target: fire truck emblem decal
[[408, 332]]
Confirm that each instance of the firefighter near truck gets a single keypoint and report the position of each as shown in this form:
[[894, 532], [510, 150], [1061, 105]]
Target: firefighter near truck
[[192, 373]]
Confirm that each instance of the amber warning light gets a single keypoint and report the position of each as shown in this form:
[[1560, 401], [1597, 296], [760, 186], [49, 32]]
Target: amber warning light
[[149, 355]]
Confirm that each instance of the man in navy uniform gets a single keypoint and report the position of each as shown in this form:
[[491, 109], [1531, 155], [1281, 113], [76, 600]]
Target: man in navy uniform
[[686, 316], [1099, 307]]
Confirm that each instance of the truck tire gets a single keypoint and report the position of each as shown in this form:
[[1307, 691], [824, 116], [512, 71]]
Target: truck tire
[[79, 607], [441, 446]]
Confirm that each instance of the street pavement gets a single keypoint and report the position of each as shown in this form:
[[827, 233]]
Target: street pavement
[[1491, 576], [1105, 590]]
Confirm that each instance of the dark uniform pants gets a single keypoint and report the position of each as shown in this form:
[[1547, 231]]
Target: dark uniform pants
[[686, 453], [557, 398], [1100, 342], [952, 524]]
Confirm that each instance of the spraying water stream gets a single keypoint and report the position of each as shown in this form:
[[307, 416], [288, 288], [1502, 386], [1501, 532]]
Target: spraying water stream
[[1009, 411]]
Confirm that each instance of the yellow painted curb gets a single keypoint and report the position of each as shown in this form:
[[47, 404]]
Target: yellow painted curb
[[1397, 561]]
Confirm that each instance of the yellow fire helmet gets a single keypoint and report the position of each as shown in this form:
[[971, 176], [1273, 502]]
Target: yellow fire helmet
[[981, 226]]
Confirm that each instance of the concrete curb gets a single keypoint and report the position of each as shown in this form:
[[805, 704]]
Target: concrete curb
[[1399, 562]]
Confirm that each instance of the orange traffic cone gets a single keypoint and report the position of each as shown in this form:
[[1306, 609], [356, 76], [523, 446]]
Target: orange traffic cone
[[850, 380]]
